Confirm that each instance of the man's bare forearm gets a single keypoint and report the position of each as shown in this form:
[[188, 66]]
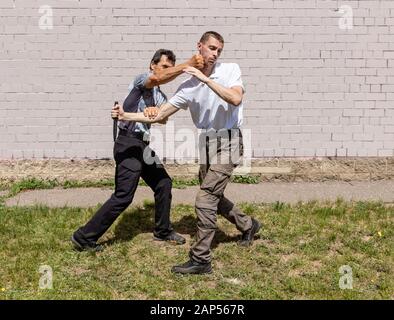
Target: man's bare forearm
[[230, 95], [162, 76], [165, 111], [135, 116], [169, 74]]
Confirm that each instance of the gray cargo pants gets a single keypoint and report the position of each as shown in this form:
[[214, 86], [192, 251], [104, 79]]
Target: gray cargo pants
[[220, 152]]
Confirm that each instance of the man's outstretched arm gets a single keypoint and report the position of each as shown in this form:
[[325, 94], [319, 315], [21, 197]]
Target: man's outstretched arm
[[169, 74], [165, 111]]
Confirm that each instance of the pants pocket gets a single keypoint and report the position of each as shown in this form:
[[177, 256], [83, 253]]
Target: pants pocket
[[216, 180], [132, 164]]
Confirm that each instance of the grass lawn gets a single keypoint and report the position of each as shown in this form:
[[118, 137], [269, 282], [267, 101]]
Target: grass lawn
[[297, 256], [15, 187]]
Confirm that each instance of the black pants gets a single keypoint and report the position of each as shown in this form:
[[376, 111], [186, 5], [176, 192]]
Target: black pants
[[133, 159]]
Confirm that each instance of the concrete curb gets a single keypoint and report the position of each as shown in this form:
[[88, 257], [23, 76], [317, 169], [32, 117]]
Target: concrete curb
[[257, 193]]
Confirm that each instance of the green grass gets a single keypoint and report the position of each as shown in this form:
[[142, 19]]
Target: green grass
[[31, 184], [247, 179], [36, 183], [68, 184], [297, 256]]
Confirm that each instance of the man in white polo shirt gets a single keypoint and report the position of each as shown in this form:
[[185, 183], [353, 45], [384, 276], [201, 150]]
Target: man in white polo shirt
[[214, 98]]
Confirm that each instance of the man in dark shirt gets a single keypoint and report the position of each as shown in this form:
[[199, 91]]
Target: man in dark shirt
[[131, 146]]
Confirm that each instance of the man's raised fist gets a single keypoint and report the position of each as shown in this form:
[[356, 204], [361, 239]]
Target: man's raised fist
[[196, 61]]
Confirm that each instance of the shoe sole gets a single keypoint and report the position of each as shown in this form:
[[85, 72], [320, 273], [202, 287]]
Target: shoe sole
[[170, 241], [259, 225], [79, 247], [76, 243], [188, 273]]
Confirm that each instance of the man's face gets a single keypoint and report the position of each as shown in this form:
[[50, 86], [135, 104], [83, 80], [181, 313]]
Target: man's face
[[164, 63], [210, 50]]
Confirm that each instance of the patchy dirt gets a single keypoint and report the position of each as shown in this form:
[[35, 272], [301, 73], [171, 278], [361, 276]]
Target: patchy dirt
[[234, 281], [285, 170], [78, 271], [320, 170], [287, 257], [90, 170]]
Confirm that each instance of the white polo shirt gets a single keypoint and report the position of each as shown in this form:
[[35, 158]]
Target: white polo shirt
[[207, 109]]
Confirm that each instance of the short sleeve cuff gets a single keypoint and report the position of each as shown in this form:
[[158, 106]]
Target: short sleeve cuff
[[177, 102], [140, 80]]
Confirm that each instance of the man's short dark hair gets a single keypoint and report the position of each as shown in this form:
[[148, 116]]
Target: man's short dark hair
[[157, 56], [214, 34]]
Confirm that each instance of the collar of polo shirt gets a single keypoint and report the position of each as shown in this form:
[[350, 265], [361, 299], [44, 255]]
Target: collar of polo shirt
[[213, 74]]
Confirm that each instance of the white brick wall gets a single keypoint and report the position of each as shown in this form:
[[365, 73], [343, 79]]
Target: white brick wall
[[313, 89]]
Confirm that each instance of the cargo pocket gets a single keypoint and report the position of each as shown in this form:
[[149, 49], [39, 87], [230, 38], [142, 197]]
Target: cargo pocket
[[216, 179], [131, 164]]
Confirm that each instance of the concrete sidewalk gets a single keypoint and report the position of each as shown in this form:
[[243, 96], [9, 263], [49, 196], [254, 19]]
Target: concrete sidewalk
[[267, 192]]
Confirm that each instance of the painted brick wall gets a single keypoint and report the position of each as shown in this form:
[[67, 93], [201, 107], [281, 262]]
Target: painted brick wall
[[314, 86]]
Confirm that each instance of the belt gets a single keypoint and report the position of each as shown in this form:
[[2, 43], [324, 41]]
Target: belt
[[232, 133], [220, 130], [137, 135]]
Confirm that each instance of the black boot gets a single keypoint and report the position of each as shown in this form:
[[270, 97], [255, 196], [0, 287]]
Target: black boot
[[248, 235], [192, 267], [171, 237], [82, 244]]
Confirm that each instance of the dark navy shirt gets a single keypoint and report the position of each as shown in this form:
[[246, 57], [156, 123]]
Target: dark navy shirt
[[138, 99]]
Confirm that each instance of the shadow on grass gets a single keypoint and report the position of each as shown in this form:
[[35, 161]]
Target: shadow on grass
[[141, 220]]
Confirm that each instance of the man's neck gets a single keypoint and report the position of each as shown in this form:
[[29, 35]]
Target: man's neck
[[208, 70]]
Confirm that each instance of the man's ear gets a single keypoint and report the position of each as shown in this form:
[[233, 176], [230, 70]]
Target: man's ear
[[199, 44], [151, 67]]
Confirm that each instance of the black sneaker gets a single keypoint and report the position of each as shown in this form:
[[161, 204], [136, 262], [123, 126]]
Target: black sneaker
[[192, 267], [171, 237], [83, 245], [248, 235]]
